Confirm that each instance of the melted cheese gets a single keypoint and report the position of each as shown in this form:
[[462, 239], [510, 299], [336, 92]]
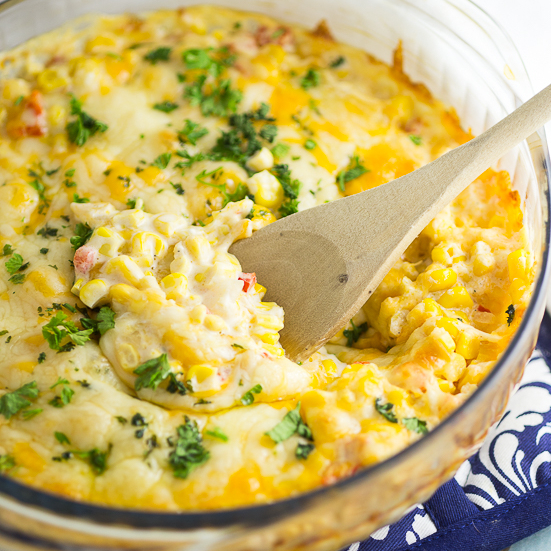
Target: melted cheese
[[157, 211]]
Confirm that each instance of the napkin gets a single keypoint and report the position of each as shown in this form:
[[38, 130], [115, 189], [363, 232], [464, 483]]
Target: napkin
[[500, 495]]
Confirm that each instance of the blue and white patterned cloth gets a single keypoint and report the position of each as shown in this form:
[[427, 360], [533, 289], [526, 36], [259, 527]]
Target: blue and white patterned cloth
[[500, 495]]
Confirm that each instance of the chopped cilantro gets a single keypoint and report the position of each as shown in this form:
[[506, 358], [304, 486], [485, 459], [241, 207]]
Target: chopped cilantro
[[268, 132], [248, 398], [166, 106], [122, 420], [353, 172], [7, 250], [162, 160], [415, 425], [280, 150], [17, 279], [30, 413], [42, 357], [44, 250], [417, 140], [220, 100], [104, 321], [69, 173], [158, 54], [14, 264], [18, 100], [178, 188], [84, 126], [61, 438], [189, 452], [337, 62], [352, 335], [310, 144], [510, 314], [311, 79], [304, 450], [290, 187], [217, 432], [7, 462], [96, 459], [60, 381], [191, 132], [212, 61], [78, 199], [40, 188], [59, 327], [17, 400], [239, 193], [131, 203], [65, 398], [83, 232], [152, 373], [386, 410], [47, 231], [290, 424]]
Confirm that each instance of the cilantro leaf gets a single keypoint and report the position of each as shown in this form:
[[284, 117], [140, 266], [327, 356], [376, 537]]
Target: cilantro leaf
[[13, 402], [310, 144], [7, 250], [191, 132], [106, 319], [352, 335], [162, 160], [166, 106], [78, 199], [40, 188], [61, 438], [83, 232], [158, 54], [415, 425], [189, 451], [63, 400], [84, 126], [152, 373], [280, 150], [304, 450], [355, 171], [510, 314], [311, 79], [17, 279], [417, 140], [386, 410], [268, 132], [220, 101], [7, 462], [290, 424], [96, 459], [337, 62], [30, 413], [217, 432], [60, 327], [14, 264], [248, 398], [178, 188]]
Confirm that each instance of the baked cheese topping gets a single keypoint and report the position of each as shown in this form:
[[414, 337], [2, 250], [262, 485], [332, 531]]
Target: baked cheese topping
[[134, 150]]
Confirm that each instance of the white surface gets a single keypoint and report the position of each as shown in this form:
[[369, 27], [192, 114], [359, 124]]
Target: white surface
[[527, 22]]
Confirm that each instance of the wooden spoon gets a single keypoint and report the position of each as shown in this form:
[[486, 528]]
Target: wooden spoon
[[322, 264]]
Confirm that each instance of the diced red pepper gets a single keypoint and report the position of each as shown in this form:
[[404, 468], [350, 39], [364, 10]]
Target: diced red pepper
[[249, 281]]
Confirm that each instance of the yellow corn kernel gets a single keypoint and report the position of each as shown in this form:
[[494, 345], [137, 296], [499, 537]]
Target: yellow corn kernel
[[439, 280], [147, 242], [214, 322], [269, 322], [49, 80], [200, 277], [458, 297], [173, 280], [468, 346], [197, 315], [198, 246], [518, 264], [460, 258], [165, 224], [352, 368], [443, 254], [260, 289], [483, 264], [446, 386], [127, 355], [99, 42], [200, 372], [443, 341], [517, 289], [432, 307], [77, 286], [125, 294], [105, 232], [93, 292], [269, 337], [267, 305], [129, 218], [397, 396], [266, 189], [56, 114], [312, 399], [126, 267], [449, 325], [460, 314], [274, 350], [329, 366]]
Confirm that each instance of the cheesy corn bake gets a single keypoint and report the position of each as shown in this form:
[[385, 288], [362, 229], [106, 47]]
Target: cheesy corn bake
[[140, 367]]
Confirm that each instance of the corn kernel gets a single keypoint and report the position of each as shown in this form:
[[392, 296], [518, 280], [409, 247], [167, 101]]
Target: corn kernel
[[518, 264], [517, 289], [93, 292], [200, 277], [483, 264], [439, 280], [274, 350], [129, 218], [432, 307], [446, 386], [458, 297], [329, 366], [50, 79], [214, 322], [147, 242], [449, 325], [127, 355], [352, 368], [200, 372], [269, 337], [397, 396], [468, 346], [77, 286], [126, 267], [260, 289], [460, 314], [261, 160], [199, 247], [443, 254], [197, 315], [269, 322], [266, 189], [125, 294], [165, 224], [56, 114]]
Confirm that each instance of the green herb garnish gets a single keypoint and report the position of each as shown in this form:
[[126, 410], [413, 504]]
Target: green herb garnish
[[355, 171], [415, 425], [311, 79], [159, 54], [17, 400], [386, 410], [217, 432], [189, 452], [352, 335], [162, 160], [166, 106], [191, 132], [248, 398], [510, 314], [59, 327], [61, 438], [83, 232], [84, 126]]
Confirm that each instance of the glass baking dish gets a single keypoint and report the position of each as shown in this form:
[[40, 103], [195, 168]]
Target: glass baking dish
[[465, 59]]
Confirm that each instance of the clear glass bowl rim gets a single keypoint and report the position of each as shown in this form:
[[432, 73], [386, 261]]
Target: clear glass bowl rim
[[267, 513]]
